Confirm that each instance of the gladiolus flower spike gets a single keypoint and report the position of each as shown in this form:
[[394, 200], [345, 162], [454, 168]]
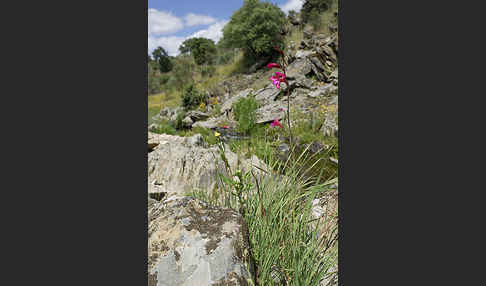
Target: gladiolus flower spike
[[277, 79]]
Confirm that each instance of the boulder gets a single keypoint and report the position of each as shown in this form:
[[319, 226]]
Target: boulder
[[179, 165], [227, 105], [299, 67], [268, 112], [323, 90], [187, 122], [196, 115], [191, 243], [300, 54]]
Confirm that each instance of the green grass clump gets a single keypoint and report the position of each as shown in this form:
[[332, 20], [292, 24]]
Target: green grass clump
[[245, 114], [286, 242]]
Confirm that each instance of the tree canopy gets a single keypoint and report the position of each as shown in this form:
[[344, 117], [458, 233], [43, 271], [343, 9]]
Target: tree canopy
[[203, 50], [256, 28], [162, 58]]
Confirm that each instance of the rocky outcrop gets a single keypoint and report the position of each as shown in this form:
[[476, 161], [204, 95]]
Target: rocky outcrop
[[179, 165], [191, 243], [227, 105]]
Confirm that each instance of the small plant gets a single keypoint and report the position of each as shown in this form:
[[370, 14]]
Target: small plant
[[191, 97], [245, 113], [178, 123]]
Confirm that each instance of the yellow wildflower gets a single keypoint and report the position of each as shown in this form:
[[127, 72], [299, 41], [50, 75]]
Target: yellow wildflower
[[216, 133]]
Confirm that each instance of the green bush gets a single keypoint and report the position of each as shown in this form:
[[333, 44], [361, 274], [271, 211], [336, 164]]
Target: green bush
[[208, 71], [318, 6], [162, 59], [182, 72], [315, 19], [153, 82], [165, 127], [179, 118], [245, 113], [191, 97], [256, 28], [203, 50]]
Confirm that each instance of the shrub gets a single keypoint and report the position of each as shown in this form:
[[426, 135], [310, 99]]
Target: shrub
[[191, 97], [165, 127], [162, 58], [182, 72], [245, 113], [203, 50], [208, 71], [153, 82], [179, 118], [256, 28], [318, 6]]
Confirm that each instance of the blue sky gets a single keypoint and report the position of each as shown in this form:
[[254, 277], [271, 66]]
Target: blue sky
[[170, 22]]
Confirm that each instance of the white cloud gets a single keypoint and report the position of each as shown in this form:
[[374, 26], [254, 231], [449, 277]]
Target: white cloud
[[171, 43], [161, 22], [213, 32], [195, 20], [292, 5]]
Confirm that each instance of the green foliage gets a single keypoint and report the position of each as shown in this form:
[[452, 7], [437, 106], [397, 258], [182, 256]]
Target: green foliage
[[162, 58], [153, 78], [245, 113], [182, 72], [318, 6], [287, 243], [208, 71], [203, 50], [179, 118], [191, 97], [315, 20], [256, 28], [165, 127]]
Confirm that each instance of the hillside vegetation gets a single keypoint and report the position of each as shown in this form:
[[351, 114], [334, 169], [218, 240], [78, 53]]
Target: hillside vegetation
[[225, 92]]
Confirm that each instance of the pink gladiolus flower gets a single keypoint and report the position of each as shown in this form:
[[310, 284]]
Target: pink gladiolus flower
[[273, 65], [276, 123], [278, 78]]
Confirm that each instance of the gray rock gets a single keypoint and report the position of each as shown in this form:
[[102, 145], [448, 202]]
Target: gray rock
[[267, 95], [268, 112], [323, 90], [177, 167], [211, 123], [303, 54], [300, 67], [191, 243], [196, 115], [152, 127], [187, 122], [227, 105], [195, 140]]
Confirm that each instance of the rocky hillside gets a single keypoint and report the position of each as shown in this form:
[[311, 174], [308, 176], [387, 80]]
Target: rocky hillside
[[195, 242]]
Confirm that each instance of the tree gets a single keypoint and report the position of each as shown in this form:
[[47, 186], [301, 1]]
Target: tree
[[203, 50], [256, 28], [318, 6], [162, 58]]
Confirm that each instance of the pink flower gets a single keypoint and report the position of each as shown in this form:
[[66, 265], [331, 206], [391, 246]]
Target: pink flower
[[225, 126], [278, 78], [273, 65], [276, 123]]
